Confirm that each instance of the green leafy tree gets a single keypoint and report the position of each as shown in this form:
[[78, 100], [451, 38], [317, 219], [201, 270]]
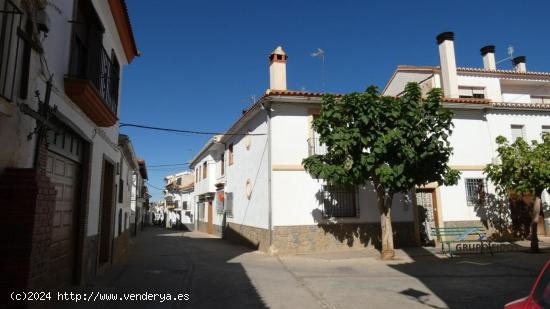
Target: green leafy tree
[[394, 143], [523, 174]]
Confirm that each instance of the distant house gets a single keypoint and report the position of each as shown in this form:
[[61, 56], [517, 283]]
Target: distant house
[[179, 198], [487, 102], [250, 184]]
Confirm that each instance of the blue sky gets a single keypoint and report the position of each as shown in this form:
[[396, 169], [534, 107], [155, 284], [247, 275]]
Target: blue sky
[[202, 60]]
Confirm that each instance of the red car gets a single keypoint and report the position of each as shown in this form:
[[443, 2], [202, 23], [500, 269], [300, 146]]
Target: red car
[[539, 298]]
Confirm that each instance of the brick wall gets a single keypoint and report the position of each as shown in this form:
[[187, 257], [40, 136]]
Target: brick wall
[[28, 202]]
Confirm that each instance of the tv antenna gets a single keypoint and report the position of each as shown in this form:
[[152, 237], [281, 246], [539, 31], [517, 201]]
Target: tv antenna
[[510, 52], [319, 53]]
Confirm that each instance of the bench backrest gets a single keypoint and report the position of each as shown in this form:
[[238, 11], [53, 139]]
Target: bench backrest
[[458, 233]]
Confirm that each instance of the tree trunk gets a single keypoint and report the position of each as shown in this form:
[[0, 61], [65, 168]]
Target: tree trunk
[[384, 207], [534, 223]]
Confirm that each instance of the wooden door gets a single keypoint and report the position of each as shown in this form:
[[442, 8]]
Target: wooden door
[[210, 229], [64, 174]]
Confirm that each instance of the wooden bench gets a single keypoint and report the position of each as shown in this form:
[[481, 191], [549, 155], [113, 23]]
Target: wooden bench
[[468, 234]]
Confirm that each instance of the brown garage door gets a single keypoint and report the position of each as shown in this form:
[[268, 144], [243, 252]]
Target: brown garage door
[[64, 172]]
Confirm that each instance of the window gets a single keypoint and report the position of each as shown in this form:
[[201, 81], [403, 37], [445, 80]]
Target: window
[[517, 132], [178, 181], [121, 191], [201, 210], [314, 144], [471, 92], [89, 60], [204, 170], [540, 99], [11, 47], [230, 150], [545, 129], [339, 201], [184, 205], [476, 190], [228, 203], [196, 175], [222, 164]]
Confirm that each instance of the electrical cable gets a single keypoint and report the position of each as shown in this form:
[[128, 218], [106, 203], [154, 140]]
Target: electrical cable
[[122, 124]]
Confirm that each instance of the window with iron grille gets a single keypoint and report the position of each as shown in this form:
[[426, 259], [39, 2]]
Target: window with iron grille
[[228, 201], [476, 190], [339, 201], [201, 210], [11, 49]]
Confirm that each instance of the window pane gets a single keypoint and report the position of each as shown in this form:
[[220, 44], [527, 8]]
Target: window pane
[[536, 100], [476, 190], [339, 201], [517, 131]]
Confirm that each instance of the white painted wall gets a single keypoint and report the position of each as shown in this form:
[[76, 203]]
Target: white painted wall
[[295, 193], [249, 164]]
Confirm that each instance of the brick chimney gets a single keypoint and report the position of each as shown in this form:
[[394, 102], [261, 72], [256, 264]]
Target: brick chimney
[[449, 79], [519, 64], [277, 69], [488, 54]]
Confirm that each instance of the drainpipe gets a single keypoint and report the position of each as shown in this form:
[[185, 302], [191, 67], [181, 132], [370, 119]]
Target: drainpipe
[[267, 107]]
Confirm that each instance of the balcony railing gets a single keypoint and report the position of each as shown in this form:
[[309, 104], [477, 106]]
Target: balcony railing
[[10, 20], [94, 64], [315, 147]]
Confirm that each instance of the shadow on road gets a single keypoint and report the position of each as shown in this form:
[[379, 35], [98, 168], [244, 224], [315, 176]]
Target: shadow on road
[[472, 280], [170, 262]]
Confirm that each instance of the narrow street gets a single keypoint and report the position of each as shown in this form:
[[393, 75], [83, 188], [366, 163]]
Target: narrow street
[[218, 274]]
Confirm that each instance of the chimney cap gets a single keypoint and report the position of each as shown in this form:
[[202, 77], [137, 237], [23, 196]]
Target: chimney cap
[[487, 49], [445, 36], [278, 51], [518, 60]]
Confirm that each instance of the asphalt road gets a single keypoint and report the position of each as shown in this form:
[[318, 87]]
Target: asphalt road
[[216, 274]]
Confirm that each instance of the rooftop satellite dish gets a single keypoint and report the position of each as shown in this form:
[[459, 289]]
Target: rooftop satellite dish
[[319, 53], [510, 51]]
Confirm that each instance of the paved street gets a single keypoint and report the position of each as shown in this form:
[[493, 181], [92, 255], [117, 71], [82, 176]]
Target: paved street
[[217, 274]]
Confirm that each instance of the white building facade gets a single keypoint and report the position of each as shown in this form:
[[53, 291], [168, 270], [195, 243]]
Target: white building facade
[[487, 102], [267, 200], [76, 69]]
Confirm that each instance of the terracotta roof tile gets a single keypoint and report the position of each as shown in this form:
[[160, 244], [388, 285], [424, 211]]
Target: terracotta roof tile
[[298, 93], [467, 100], [522, 105], [512, 72]]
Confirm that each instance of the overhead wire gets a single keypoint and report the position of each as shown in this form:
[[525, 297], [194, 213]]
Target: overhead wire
[[123, 124]]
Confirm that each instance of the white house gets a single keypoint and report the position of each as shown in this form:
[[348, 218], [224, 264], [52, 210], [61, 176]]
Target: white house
[[487, 102], [179, 195], [71, 53], [251, 186]]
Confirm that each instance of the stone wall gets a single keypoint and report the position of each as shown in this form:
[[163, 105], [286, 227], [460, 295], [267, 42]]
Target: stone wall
[[337, 237], [463, 223], [252, 237], [203, 227]]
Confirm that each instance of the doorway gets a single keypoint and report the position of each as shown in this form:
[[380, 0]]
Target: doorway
[[107, 201], [210, 229], [427, 215]]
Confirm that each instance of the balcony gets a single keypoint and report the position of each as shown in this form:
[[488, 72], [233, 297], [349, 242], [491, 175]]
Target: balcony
[[10, 48], [315, 147], [92, 83]]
